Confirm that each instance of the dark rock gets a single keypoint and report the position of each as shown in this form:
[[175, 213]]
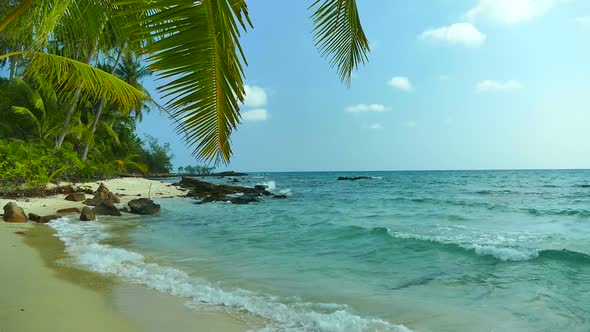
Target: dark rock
[[143, 206], [354, 178], [101, 193], [280, 196], [229, 173], [87, 214], [14, 213], [108, 203], [85, 190], [46, 219], [76, 197], [69, 210], [89, 202], [43, 219], [103, 210], [244, 199], [260, 187], [115, 198], [234, 180], [210, 192], [103, 196]]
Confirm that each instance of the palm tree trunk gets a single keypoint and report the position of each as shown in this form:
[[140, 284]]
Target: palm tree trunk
[[101, 106], [12, 70], [75, 98]]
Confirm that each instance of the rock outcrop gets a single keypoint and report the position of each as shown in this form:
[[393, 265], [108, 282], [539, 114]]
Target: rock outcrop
[[210, 192], [354, 178], [228, 173], [103, 196], [143, 206], [87, 214], [14, 213]]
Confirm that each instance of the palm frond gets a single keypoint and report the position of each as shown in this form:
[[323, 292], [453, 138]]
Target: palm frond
[[15, 13], [67, 75], [339, 35], [194, 46], [27, 113]]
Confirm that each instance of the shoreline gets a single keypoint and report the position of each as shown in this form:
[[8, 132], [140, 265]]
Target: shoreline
[[39, 290]]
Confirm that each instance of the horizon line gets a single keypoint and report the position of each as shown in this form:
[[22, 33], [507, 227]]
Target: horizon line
[[419, 170]]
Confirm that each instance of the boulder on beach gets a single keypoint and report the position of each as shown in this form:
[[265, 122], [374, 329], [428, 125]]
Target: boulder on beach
[[102, 192], [43, 219], [71, 210], [103, 210], [87, 214], [14, 213], [103, 196], [143, 206], [76, 197]]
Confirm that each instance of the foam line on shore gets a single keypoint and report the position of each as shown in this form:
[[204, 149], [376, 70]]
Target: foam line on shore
[[83, 240]]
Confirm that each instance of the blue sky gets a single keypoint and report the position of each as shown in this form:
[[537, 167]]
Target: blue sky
[[450, 84]]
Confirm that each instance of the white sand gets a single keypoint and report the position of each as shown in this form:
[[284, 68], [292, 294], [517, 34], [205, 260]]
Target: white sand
[[39, 294], [126, 188]]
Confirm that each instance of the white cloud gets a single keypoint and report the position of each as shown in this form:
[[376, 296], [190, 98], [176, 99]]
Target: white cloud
[[489, 85], [375, 126], [358, 108], [255, 104], [509, 11], [583, 20], [255, 115], [255, 96], [400, 82], [458, 33]]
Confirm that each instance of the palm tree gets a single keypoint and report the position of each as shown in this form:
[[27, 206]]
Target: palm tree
[[193, 44], [27, 112]]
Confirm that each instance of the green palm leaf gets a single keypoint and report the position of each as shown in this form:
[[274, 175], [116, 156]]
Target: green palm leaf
[[194, 45], [67, 75], [339, 35], [27, 113]]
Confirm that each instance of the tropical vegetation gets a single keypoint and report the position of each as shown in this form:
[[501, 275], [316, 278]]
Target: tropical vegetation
[[73, 91]]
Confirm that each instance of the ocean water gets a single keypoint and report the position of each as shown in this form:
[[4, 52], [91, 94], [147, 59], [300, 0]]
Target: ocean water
[[405, 251]]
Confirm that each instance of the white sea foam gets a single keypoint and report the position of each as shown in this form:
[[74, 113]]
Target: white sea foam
[[272, 187], [503, 246], [83, 242]]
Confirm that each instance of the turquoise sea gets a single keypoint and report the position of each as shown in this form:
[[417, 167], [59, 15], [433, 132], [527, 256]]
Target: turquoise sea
[[447, 251]]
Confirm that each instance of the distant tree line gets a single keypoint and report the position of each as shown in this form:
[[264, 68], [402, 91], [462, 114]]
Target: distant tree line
[[196, 170]]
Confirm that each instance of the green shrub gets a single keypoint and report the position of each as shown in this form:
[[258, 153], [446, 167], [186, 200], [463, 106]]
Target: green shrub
[[30, 166]]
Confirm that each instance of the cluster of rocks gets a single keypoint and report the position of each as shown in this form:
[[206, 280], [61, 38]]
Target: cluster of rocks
[[210, 192], [103, 203]]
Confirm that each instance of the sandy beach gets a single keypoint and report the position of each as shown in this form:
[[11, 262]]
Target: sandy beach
[[38, 292]]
